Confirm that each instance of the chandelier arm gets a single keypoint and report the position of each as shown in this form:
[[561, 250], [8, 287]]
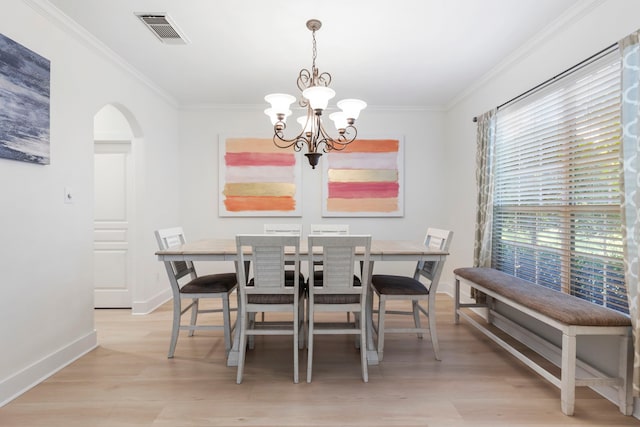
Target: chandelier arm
[[323, 79], [337, 144], [281, 142], [348, 131], [323, 139], [305, 80]]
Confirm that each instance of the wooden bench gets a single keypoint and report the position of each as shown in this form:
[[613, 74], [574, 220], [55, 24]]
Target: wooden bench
[[570, 315]]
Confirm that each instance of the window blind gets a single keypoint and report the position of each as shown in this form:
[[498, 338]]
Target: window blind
[[556, 210]]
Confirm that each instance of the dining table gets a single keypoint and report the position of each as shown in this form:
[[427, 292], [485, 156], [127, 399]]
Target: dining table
[[224, 249]]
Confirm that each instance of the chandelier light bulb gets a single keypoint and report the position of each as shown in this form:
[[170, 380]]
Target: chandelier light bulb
[[305, 123], [351, 107], [339, 120], [318, 96], [274, 116], [280, 102]]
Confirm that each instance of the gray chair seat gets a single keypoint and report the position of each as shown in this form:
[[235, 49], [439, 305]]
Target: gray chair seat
[[387, 284], [222, 282], [336, 298]]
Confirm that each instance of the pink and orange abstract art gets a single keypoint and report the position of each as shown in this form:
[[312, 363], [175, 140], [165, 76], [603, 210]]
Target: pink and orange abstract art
[[365, 179], [258, 179]]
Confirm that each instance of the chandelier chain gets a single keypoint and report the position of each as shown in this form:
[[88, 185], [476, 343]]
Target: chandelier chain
[[315, 50]]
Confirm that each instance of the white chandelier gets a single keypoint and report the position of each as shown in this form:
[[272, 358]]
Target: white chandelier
[[315, 96]]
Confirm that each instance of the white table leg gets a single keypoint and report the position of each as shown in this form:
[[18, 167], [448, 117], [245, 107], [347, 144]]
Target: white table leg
[[233, 356]]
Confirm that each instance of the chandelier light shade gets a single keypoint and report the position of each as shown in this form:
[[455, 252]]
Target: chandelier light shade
[[315, 96]]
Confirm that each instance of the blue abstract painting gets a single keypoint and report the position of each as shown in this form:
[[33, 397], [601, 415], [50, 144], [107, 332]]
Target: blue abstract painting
[[24, 103]]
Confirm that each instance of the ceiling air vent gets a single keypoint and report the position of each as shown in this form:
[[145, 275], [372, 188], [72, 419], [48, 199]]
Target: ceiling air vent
[[163, 27]]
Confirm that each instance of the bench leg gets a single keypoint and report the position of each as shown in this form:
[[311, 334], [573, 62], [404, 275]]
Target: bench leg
[[625, 392], [568, 374]]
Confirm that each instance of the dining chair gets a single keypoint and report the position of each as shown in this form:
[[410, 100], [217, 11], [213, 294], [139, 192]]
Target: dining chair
[[325, 230], [339, 291], [329, 229], [283, 229], [393, 288], [269, 291], [286, 230], [186, 284]]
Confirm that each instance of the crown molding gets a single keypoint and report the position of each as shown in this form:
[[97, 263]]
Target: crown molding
[[261, 107], [53, 14]]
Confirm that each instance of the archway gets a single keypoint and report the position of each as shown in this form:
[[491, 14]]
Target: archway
[[115, 131]]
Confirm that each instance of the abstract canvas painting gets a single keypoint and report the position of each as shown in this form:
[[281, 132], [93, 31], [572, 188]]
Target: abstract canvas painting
[[258, 179], [365, 179], [24, 103]]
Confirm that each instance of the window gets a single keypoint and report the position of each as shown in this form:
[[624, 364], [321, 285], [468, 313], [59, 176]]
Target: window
[[556, 207]]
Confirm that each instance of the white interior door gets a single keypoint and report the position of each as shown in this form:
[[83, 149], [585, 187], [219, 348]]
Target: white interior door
[[113, 213]]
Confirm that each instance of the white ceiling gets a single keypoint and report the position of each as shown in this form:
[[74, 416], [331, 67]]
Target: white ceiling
[[402, 53]]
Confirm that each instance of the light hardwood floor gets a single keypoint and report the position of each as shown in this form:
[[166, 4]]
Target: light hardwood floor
[[128, 381]]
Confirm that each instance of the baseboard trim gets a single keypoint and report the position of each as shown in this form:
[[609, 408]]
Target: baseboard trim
[[145, 307], [32, 375], [446, 288]]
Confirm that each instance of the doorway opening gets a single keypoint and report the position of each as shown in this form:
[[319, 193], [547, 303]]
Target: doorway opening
[[114, 209]]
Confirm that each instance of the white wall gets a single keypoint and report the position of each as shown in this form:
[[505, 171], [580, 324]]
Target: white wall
[[423, 135], [46, 309]]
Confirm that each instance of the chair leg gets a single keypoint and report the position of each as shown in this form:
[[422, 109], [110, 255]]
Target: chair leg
[[296, 351], [226, 316], [300, 325], [194, 315], [243, 346], [310, 342], [252, 338], [356, 323], [177, 308], [381, 309], [363, 347], [432, 328], [416, 317]]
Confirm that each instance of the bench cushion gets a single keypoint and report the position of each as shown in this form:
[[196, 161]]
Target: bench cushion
[[564, 308]]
